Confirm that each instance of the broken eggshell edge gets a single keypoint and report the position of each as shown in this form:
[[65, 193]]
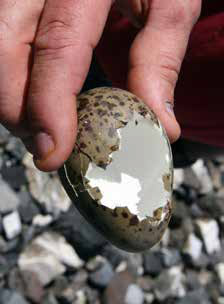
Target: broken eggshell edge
[[122, 228]]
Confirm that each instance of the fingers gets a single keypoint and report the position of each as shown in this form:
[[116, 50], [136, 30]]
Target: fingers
[[68, 32], [15, 35], [156, 56]]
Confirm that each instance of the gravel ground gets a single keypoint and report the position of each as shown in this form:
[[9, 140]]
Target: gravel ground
[[49, 254]]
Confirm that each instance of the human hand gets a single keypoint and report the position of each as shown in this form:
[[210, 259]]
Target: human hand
[[149, 56], [45, 52]]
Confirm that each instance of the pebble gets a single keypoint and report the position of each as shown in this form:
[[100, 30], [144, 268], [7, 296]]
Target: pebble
[[4, 135], [152, 263], [195, 297], [28, 207], [134, 295], [220, 272], [46, 188], [117, 288], [86, 241], [209, 231], [170, 283], [193, 247], [11, 297], [14, 176], [42, 220], [149, 297], [102, 276], [202, 174], [9, 199], [16, 148], [12, 225], [212, 205], [170, 257], [46, 256]]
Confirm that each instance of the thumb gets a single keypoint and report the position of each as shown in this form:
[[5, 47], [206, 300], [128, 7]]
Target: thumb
[[156, 56], [67, 33]]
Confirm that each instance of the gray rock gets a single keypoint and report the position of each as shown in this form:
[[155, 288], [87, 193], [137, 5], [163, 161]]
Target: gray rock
[[46, 188], [79, 233], [14, 176], [46, 256], [102, 276], [209, 231], [115, 255], [170, 257], [190, 179], [12, 225], [180, 211], [27, 207], [117, 288], [149, 298], [212, 205], [203, 176], [177, 238], [170, 283], [193, 247], [146, 283], [192, 280], [8, 200], [33, 288], [11, 297], [42, 220], [16, 148], [195, 297], [4, 135], [220, 272], [134, 295], [49, 298], [152, 263]]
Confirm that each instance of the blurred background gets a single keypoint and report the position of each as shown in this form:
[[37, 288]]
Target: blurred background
[[50, 255]]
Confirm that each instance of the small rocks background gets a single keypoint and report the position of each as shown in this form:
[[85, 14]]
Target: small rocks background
[[50, 255]]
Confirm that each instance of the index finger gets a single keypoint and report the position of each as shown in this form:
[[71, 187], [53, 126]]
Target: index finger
[[68, 32]]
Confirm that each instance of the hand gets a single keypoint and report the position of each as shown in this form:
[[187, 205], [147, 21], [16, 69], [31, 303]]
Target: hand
[[45, 52], [158, 47]]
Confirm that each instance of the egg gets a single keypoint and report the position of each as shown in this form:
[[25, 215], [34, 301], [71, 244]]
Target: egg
[[120, 172]]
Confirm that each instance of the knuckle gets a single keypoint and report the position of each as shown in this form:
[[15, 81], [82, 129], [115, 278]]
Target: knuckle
[[169, 68], [55, 34], [183, 12]]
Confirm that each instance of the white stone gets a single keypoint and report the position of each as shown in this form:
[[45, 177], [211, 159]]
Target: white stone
[[220, 271], [221, 300], [170, 283], [203, 176], [165, 238], [149, 297], [46, 256], [193, 247], [178, 178], [57, 245], [133, 179], [46, 188], [134, 295], [12, 225], [42, 220], [209, 231]]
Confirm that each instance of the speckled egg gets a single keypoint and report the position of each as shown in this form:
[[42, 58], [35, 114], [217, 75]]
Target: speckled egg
[[120, 173]]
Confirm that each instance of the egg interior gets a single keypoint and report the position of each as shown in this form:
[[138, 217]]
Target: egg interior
[[138, 174]]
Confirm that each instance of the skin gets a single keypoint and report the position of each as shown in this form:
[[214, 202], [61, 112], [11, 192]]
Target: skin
[[45, 52]]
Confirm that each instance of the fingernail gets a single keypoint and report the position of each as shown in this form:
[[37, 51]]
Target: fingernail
[[169, 107], [43, 145]]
